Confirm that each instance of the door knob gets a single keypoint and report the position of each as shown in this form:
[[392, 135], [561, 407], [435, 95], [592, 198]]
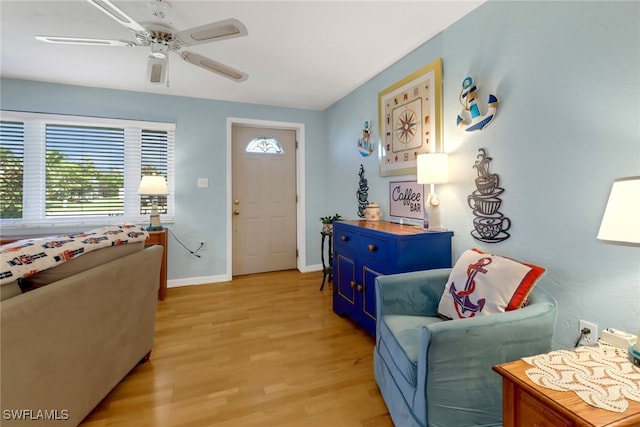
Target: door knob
[[236, 212], [236, 202]]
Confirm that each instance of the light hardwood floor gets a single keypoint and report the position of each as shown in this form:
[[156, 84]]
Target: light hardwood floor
[[262, 350]]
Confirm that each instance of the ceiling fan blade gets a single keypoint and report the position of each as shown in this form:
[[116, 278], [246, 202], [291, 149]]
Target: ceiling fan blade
[[116, 13], [84, 40], [214, 66], [229, 28]]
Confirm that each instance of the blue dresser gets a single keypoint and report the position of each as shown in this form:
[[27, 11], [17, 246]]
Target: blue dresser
[[364, 250]]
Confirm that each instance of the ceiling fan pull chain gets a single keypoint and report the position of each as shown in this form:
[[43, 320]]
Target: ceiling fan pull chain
[[168, 69]]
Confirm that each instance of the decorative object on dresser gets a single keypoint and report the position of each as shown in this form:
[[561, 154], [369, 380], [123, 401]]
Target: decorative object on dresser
[[589, 386], [433, 168], [437, 372], [364, 250], [153, 185], [490, 226], [406, 200], [372, 212], [362, 194]]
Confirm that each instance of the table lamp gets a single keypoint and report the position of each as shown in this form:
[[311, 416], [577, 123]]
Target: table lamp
[[153, 185], [433, 168], [621, 226]]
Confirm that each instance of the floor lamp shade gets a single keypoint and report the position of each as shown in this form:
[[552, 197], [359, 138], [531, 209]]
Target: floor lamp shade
[[153, 185], [621, 219]]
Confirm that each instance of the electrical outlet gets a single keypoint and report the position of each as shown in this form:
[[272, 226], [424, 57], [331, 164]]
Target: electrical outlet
[[592, 336]]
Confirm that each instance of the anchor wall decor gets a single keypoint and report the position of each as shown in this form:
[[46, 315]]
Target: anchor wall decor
[[365, 146], [490, 226], [474, 119], [363, 193]]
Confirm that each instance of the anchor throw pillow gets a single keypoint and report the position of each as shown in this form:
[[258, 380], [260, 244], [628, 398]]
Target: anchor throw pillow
[[481, 284]]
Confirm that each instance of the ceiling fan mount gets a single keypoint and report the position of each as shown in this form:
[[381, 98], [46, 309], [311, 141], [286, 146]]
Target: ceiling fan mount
[[159, 34], [162, 38]]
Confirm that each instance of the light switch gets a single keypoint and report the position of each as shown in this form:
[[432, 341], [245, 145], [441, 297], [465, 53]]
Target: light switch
[[203, 182]]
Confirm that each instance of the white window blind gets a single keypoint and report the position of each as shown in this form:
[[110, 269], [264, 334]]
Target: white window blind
[[81, 169]]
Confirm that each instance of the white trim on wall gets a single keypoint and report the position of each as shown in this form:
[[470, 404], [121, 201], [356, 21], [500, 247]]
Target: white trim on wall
[[301, 239]]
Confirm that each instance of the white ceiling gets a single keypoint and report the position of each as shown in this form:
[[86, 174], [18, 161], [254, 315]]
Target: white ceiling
[[302, 54]]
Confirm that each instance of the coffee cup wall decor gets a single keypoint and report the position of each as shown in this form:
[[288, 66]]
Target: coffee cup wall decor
[[489, 225]]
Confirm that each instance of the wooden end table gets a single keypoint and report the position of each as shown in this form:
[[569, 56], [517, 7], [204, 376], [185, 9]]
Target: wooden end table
[[526, 404], [159, 237]]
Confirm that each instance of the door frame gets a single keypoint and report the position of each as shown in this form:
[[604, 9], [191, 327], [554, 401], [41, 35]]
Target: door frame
[[301, 222]]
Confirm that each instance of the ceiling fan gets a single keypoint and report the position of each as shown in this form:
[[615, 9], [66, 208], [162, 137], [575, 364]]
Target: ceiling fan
[[162, 39]]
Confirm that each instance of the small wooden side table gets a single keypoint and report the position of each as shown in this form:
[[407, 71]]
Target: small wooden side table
[[160, 238], [327, 268], [526, 404]]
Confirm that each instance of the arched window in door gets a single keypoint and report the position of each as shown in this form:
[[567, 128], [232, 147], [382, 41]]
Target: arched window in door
[[264, 144]]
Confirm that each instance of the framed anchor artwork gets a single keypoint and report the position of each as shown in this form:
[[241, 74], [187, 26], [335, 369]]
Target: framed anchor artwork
[[410, 120]]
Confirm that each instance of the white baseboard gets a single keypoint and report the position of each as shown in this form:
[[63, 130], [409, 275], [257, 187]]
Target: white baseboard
[[203, 280], [310, 268]]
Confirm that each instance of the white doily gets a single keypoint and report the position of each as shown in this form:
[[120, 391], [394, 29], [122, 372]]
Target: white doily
[[600, 375]]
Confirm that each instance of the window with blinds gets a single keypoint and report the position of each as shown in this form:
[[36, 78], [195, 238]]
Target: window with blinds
[[81, 169], [11, 169]]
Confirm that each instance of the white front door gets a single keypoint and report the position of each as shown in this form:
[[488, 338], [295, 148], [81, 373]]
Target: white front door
[[264, 199]]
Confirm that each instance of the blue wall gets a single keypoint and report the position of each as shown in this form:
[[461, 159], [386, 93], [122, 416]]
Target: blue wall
[[201, 140], [569, 123], [568, 80]]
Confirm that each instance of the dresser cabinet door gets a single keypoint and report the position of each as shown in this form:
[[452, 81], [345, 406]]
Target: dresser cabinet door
[[367, 303], [344, 287]]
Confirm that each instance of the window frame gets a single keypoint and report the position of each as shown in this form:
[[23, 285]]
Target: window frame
[[34, 169], [253, 145]]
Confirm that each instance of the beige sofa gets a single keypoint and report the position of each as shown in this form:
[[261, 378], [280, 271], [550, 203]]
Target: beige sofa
[[66, 345]]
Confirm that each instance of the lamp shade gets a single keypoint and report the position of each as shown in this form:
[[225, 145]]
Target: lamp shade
[[621, 219], [433, 168], [153, 185]]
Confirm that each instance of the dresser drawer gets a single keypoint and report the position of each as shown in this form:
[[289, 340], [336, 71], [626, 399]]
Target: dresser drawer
[[531, 412], [378, 249], [345, 238]]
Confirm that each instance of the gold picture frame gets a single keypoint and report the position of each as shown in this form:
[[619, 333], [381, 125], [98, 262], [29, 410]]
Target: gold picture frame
[[410, 120]]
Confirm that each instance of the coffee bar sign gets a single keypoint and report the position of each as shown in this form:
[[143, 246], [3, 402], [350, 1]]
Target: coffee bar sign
[[406, 199]]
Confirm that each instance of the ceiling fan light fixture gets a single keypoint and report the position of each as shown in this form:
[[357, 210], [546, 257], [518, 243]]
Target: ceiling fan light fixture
[[156, 69], [159, 50]]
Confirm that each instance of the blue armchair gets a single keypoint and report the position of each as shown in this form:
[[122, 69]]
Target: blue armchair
[[437, 373]]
